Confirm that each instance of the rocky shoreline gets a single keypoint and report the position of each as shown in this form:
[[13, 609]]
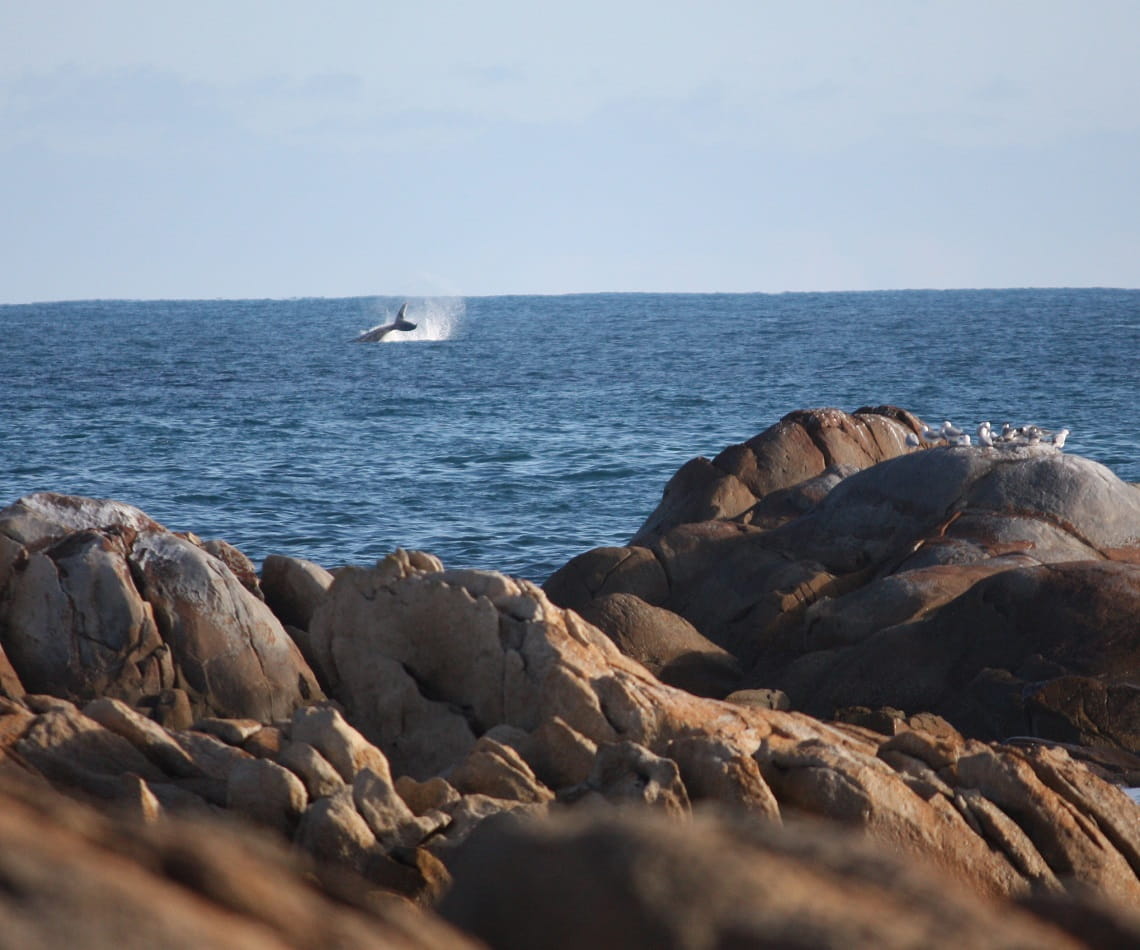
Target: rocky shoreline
[[840, 689]]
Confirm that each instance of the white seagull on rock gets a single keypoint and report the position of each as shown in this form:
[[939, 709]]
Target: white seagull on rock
[[985, 437], [950, 431], [1059, 437]]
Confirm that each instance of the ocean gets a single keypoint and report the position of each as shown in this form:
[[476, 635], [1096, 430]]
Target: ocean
[[512, 433]]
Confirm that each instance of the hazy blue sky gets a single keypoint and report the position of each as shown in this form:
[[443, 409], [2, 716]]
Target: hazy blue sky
[[275, 149]]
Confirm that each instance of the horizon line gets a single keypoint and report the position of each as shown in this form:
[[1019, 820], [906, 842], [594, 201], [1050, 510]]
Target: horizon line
[[567, 293]]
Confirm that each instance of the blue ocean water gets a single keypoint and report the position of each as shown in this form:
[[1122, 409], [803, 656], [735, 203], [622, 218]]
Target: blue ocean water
[[512, 432]]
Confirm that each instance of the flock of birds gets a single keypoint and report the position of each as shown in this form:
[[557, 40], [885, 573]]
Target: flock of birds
[[1009, 436]]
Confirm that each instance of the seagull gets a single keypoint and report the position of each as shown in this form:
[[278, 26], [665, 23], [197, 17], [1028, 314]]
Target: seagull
[[1059, 437], [1008, 433], [950, 431], [912, 440], [962, 439], [1032, 435], [985, 437], [931, 435]]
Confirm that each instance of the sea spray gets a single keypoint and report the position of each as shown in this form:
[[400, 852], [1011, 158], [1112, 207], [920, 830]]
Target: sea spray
[[436, 318]]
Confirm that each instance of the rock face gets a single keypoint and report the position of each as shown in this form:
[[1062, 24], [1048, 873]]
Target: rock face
[[568, 786], [430, 663], [97, 599], [468, 694], [997, 587]]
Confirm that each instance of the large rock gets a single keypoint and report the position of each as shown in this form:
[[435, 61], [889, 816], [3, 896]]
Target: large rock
[[799, 448], [1066, 636], [98, 600], [996, 586]]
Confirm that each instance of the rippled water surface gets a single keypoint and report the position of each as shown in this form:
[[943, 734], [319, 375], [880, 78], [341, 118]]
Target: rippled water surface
[[512, 432]]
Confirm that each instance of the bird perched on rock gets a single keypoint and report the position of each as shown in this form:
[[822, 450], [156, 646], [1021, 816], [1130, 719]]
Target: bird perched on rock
[[912, 440], [951, 431], [1059, 437], [985, 437]]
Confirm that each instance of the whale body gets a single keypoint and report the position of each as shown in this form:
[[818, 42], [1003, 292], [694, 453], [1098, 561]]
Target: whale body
[[376, 334]]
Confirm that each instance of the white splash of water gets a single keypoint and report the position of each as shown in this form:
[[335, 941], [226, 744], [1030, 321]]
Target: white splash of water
[[436, 318]]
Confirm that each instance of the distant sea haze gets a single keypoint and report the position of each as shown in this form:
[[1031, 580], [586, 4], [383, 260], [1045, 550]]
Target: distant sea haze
[[511, 433]]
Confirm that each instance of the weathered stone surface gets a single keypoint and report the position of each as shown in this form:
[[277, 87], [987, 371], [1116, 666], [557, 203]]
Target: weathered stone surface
[[579, 700], [240, 566], [1065, 635], [1067, 837], [293, 588], [997, 589], [995, 586], [800, 447], [583, 880], [333, 830], [340, 744], [214, 761], [314, 770], [391, 641], [233, 654], [559, 755], [391, 820], [46, 516], [73, 623], [494, 769], [719, 772], [430, 795], [144, 734], [170, 708], [608, 570], [626, 773], [98, 600], [70, 748], [267, 794]]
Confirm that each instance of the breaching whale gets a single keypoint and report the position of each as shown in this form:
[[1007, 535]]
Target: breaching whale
[[376, 334]]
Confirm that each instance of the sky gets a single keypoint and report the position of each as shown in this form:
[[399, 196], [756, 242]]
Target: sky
[[429, 148]]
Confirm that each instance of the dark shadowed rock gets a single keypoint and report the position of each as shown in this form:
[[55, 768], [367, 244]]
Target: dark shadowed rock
[[997, 587], [640, 881], [1065, 635], [665, 644], [293, 587]]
